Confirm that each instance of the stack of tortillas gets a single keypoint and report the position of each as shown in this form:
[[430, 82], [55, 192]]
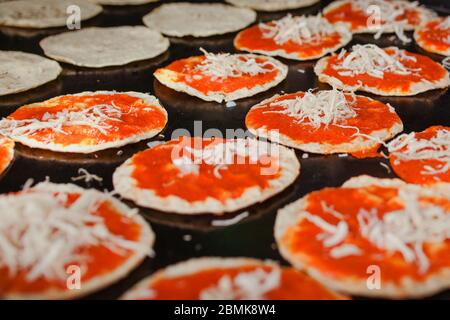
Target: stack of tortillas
[[102, 47], [44, 13], [20, 71], [198, 20]]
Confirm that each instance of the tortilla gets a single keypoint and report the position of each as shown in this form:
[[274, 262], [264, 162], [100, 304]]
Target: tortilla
[[298, 38], [20, 71], [86, 122], [349, 237], [434, 36], [102, 47], [270, 5], [196, 176], [187, 75], [108, 233], [123, 2], [423, 74], [201, 278], [198, 19], [359, 21], [44, 13], [422, 157], [369, 122]]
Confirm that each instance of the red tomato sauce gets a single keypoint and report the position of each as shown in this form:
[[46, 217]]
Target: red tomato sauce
[[294, 285], [252, 39], [5, 157], [238, 177], [433, 37], [358, 19]]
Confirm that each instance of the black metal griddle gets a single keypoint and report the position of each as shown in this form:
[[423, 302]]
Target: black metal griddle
[[252, 237]]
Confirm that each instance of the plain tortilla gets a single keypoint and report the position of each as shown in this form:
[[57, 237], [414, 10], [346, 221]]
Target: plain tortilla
[[102, 47], [20, 71], [198, 20], [43, 13], [123, 2], [271, 5]]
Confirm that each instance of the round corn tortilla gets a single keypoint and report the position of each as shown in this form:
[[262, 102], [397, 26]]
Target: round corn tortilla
[[20, 71], [123, 2], [44, 13], [198, 19], [143, 289], [354, 144], [90, 140], [415, 87], [103, 47], [289, 217], [98, 282], [300, 53], [271, 5], [423, 15], [127, 186], [170, 78], [420, 37]]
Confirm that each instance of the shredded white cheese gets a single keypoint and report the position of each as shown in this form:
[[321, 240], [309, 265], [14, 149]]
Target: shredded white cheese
[[345, 250], [408, 147], [231, 104], [153, 144], [319, 108], [389, 13], [86, 176], [224, 65], [384, 165], [446, 63], [406, 230], [374, 61], [229, 222], [219, 155], [445, 24], [41, 234], [252, 285], [298, 29], [96, 117], [186, 166]]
